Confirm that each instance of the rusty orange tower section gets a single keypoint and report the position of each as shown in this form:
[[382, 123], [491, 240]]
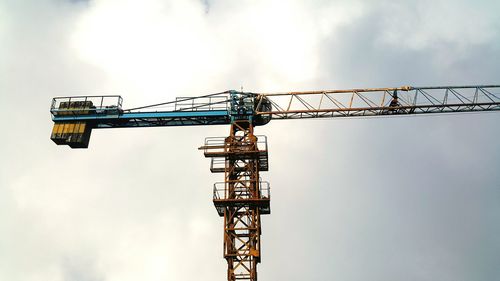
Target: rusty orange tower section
[[242, 198]]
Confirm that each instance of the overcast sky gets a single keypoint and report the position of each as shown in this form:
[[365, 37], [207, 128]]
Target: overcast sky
[[405, 198]]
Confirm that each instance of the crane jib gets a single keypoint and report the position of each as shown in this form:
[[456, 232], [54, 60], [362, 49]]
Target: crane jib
[[75, 117]]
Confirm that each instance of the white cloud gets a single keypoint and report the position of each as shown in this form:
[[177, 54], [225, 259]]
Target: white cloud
[[427, 24], [161, 48]]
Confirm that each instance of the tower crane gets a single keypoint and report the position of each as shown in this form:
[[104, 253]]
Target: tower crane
[[243, 196]]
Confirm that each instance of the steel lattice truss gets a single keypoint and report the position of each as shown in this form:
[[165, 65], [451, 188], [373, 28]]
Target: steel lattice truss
[[241, 198], [382, 101]]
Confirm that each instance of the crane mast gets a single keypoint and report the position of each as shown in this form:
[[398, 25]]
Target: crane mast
[[243, 196]]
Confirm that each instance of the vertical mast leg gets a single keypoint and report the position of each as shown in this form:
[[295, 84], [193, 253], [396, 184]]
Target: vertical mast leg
[[241, 198]]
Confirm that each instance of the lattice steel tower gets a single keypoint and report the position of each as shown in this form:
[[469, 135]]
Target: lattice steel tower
[[242, 197]]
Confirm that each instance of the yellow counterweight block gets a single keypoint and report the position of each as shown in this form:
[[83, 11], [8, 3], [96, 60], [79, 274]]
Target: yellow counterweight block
[[76, 134]]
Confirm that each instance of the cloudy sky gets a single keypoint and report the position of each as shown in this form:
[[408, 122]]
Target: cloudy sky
[[405, 198]]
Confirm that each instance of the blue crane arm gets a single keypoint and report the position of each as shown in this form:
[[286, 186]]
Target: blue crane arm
[[75, 117], [118, 119]]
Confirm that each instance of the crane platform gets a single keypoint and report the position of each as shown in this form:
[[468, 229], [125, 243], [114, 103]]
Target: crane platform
[[224, 198]]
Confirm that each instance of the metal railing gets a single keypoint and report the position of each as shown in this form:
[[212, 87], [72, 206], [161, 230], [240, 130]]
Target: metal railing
[[219, 145], [221, 191], [82, 105], [201, 103]]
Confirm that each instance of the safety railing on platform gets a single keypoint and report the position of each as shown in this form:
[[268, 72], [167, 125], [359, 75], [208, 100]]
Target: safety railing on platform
[[218, 145], [221, 191], [201, 103], [219, 164], [83, 105]]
